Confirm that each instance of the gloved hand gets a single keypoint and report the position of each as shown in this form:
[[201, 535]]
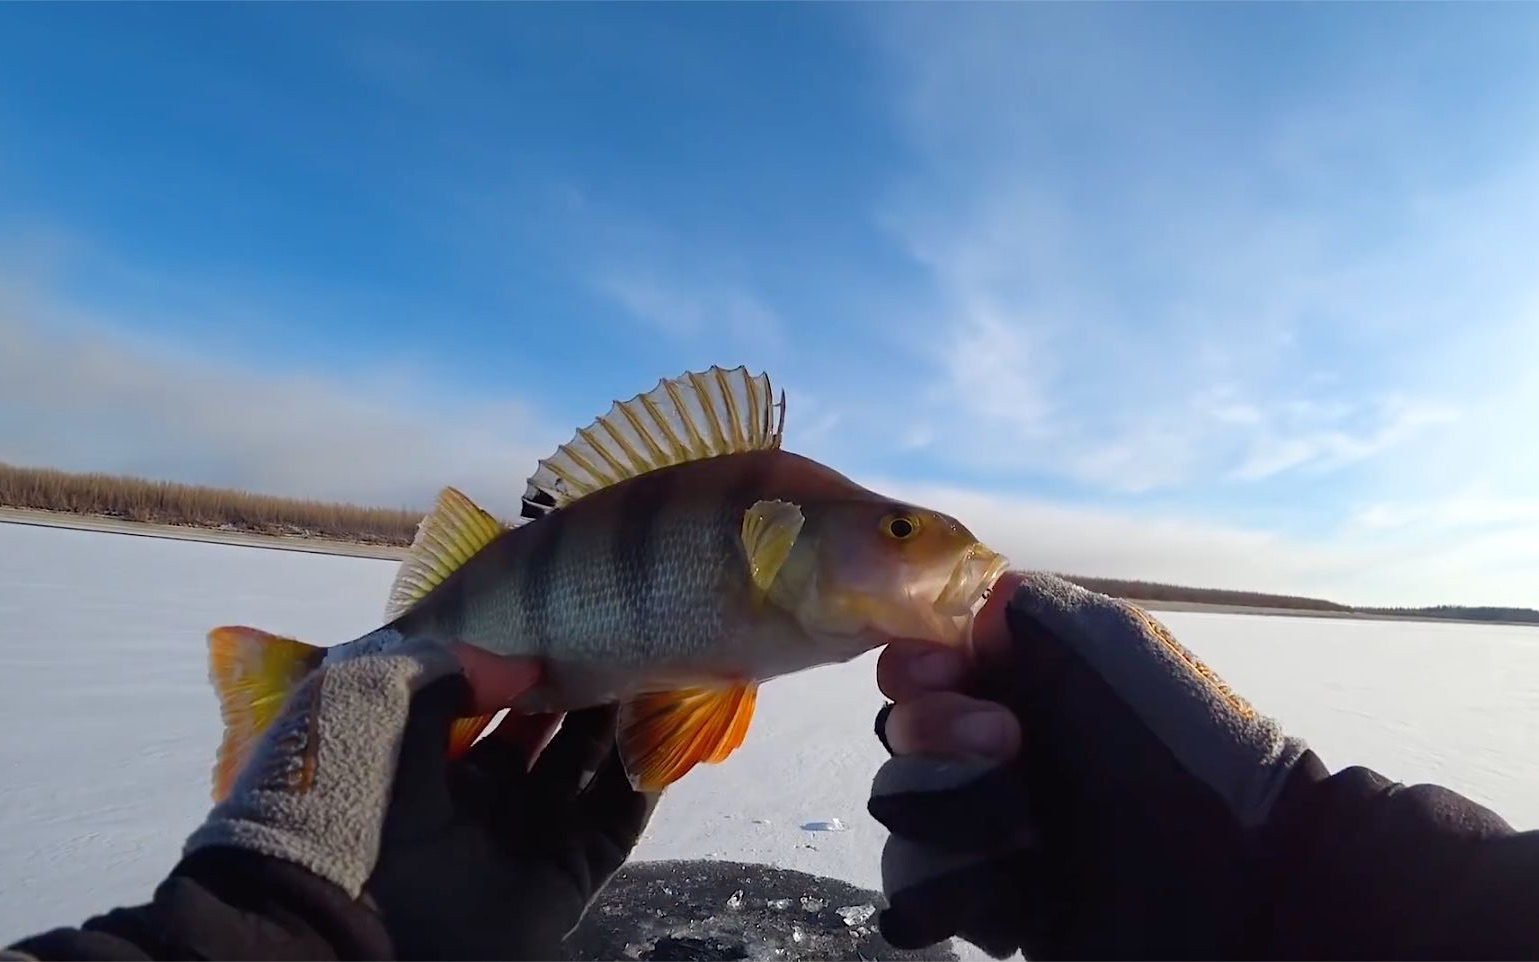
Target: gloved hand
[[483, 857], [1081, 786], [500, 860]]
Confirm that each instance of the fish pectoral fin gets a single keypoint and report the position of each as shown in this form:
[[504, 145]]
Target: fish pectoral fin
[[464, 732], [449, 536], [697, 415], [664, 735], [769, 531], [253, 673]]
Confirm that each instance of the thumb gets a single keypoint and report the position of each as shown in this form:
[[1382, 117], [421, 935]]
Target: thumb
[[419, 794]]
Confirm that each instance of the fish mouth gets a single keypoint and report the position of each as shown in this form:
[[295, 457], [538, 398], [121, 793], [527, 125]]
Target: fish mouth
[[970, 581]]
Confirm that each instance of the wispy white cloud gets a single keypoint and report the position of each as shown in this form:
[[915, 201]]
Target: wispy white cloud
[[79, 395], [1494, 564], [1309, 436], [1137, 287], [700, 309], [1044, 534]]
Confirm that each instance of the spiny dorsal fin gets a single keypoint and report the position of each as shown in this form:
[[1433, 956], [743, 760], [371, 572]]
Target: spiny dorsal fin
[[447, 538], [688, 418]]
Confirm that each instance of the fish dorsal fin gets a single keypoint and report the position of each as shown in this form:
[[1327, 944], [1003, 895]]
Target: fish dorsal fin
[[447, 538], [696, 415]]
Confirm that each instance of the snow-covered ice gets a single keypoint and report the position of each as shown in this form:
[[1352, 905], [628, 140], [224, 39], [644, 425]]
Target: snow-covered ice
[[110, 726]]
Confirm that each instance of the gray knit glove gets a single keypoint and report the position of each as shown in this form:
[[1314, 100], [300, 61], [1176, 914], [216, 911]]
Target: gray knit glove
[[497, 854], [318, 785], [1108, 805]]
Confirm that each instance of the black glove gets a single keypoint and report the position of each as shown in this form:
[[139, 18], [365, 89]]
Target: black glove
[[486, 858], [1117, 813], [483, 857]]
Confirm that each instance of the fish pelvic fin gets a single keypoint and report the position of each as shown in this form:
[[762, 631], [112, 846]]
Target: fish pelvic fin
[[769, 532], [697, 415], [464, 732], [665, 734], [253, 673], [450, 535]]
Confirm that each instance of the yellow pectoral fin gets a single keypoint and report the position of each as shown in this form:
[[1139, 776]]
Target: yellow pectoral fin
[[253, 673], [769, 532], [664, 735]]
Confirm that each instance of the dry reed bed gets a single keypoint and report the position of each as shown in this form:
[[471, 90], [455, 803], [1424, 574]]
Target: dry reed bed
[[165, 502]]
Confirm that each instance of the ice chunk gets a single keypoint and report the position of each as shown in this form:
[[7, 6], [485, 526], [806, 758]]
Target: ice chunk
[[854, 915], [811, 904], [735, 900], [779, 905]]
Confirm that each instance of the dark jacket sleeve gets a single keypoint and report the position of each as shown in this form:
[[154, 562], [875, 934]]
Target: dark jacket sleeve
[[225, 904], [1368, 868]]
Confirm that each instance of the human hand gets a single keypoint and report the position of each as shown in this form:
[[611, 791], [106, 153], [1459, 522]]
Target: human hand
[[500, 856], [1079, 785], [485, 856]]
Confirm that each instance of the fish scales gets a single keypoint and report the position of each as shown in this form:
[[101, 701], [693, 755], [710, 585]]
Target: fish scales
[[652, 572], [594, 589], [644, 572], [635, 548]]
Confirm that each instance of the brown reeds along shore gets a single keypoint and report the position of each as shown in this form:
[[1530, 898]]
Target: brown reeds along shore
[[190, 505], [166, 502]]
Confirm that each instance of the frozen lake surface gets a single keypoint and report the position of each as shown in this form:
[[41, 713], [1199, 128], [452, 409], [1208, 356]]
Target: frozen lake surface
[[110, 725]]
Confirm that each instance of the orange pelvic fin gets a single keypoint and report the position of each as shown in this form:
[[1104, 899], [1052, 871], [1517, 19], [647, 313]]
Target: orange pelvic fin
[[253, 673], [463, 733], [664, 735]]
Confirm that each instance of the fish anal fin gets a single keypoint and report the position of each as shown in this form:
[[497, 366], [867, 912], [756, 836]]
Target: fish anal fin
[[253, 672], [464, 732], [769, 532], [665, 734], [697, 415], [448, 536]]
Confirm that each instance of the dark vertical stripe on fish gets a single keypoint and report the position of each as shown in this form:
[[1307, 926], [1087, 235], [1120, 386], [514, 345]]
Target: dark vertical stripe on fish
[[535, 578], [743, 488], [634, 554]]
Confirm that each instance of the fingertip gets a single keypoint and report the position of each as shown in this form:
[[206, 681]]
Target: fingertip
[[908, 667], [991, 632], [496, 681], [528, 734], [948, 723]]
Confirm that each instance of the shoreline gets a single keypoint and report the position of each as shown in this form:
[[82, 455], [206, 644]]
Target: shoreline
[[381, 552], [102, 524]]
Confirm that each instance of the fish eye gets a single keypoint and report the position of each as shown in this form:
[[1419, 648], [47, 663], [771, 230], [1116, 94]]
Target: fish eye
[[900, 527]]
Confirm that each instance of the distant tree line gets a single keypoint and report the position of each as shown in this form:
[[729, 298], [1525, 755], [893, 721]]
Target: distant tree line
[[164, 502], [1522, 616], [1154, 591]]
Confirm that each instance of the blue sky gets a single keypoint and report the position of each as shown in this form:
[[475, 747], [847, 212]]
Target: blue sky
[[1242, 295]]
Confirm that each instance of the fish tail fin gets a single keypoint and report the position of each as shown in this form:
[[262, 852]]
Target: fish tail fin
[[253, 673]]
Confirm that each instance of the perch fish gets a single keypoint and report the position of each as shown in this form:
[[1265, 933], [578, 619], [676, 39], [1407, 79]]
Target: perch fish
[[677, 558]]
